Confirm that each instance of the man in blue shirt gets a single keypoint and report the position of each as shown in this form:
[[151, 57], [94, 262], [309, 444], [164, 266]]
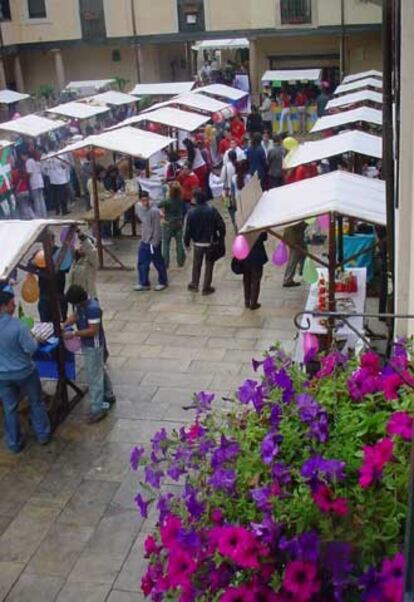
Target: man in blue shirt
[[19, 375], [88, 319]]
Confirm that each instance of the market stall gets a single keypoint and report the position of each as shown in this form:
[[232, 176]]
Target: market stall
[[169, 117], [162, 89], [362, 75], [78, 110], [10, 98], [32, 126], [363, 117], [18, 241], [113, 98], [334, 195], [238, 98], [129, 142], [89, 86], [277, 77], [217, 109], [367, 98], [361, 84]]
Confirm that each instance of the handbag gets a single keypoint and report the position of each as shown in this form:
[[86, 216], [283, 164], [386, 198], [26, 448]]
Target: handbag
[[216, 250], [237, 266]]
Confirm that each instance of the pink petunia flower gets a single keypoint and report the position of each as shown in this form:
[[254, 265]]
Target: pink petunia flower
[[169, 530], [323, 498], [181, 566], [391, 385], [150, 546], [236, 594], [401, 424], [301, 579], [375, 458]]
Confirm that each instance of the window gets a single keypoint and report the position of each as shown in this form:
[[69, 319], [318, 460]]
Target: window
[[37, 9], [296, 12], [5, 14], [190, 15]]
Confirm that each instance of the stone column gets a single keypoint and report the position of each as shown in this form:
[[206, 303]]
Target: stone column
[[253, 67], [59, 68], [3, 79], [18, 74]]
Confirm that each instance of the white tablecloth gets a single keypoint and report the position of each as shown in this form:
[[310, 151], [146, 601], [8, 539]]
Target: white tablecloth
[[344, 331]]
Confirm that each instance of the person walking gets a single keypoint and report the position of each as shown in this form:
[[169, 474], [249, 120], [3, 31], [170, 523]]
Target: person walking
[[204, 227], [275, 162], [59, 173], [284, 100], [252, 269], [172, 226], [254, 122], [89, 328], [257, 159], [84, 269], [18, 375], [294, 236], [266, 112], [300, 102], [227, 172], [20, 183], [36, 184], [238, 182], [149, 250]]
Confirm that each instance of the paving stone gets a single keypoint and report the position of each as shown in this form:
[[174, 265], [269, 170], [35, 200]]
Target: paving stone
[[116, 531], [9, 573], [137, 431], [229, 343], [120, 596], [177, 340], [133, 568], [35, 588], [196, 381], [96, 567], [161, 365], [88, 504], [112, 464], [15, 491], [83, 592], [207, 367], [54, 491]]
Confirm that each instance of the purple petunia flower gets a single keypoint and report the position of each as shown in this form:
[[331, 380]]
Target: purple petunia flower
[[204, 401], [135, 457], [142, 505], [228, 450], [158, 441], [175, 471], [281, 473], [303, 547], [275, 416], [270, 447], [284, 382], [194, 506], [189, 539], [223, 478], [163, 506], [247, 390], [256, 365], [153, 477], [312, 414], [261, 496], [267, 531], [337, 560], [318, 466]]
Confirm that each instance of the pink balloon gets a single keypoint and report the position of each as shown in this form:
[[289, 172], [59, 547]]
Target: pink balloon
[[310, 345], [280, 254], [241, 247], [324, 221], [73, 345]]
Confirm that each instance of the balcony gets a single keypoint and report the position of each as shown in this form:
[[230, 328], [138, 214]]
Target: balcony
[[5, 14], [191, 15], [92, 19], [296, 12]]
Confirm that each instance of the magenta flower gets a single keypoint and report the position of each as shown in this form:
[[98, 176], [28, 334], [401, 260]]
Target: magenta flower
[[301, 580], [236, 594], [324, 499], [375, 458], [169, 531], [401, 424], [181, 566], [150, 546], [135, 457]]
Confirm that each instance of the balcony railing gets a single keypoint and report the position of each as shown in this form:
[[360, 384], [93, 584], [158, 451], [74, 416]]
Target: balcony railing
[[296, 12]]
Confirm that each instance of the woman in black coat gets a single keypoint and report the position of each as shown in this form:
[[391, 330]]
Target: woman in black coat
[[252, 269]]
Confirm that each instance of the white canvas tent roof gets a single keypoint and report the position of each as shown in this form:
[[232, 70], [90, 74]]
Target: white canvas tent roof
[[126, 141], [8, 97], [222, 90], [285, 75], [162, 89], [341, 192], [354, 142], [78, 110], [223, 44], [354, 97], [32, 125], [171, 117], [16, 238], [114, 98], [362, 75], [89, 86], [361, 84], [198, 102], [366, 114]]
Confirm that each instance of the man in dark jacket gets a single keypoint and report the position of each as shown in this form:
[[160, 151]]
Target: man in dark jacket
[[252, 268], [204, 227]]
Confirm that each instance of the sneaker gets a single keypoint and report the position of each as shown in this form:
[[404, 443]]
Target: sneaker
[[94, 417], [141, 287], [160, 287], [19, 448], [192, 287], [111, 401], [255, 306], [45, 441], [209, 291]]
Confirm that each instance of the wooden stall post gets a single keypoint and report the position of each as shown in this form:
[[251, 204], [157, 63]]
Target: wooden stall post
[[132, 215], [341, 241], [332, 270], [96, 210]]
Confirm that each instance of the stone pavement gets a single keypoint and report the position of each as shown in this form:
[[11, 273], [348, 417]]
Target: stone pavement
[[69, 530]]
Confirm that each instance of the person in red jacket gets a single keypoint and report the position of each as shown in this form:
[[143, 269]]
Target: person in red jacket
[[189, 182], [225, 142], [238, 129]]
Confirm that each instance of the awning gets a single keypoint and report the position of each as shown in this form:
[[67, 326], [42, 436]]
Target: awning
[[346, 142], [223, 44], [171, 117], [353, 98], [362, 75], [114, 98], [365, 114], [162, 89], [361, 84], [32, 125], [126, 141], [286, 75], [9, 97], [89, 86], [78, 110], [198, 102], [340, 192], [17, 236], [223, 91]]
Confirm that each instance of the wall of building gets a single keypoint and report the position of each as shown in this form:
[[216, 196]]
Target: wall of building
[[328, 12]]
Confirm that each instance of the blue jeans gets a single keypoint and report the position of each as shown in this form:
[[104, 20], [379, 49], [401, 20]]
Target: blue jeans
[[145, 258], [10, 392], [100, 386]]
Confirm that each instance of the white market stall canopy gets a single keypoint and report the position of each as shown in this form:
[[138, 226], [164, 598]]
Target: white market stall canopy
[[340, 192], [363, 75], [366, 114], [126, 141], [225, 44], [197, 101], [360, 84], [162, 89], [222, 90], [16, 238], [353, 98], [89, 86], [171, 117], [346, 142], [9, 97], [286, 75], [114, 98], [32, 125], [78, 110]]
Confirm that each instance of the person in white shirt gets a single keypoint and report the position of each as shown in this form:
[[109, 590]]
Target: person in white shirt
[[228, 171], [58, 169], [33, 169], [266, 112], [267, 142], [240, 154]]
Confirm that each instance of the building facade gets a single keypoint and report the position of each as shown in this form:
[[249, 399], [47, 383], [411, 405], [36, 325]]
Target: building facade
[[50, 42]]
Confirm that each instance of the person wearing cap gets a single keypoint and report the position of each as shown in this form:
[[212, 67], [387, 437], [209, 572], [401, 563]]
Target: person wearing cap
[[149, 250], [18, 375]]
